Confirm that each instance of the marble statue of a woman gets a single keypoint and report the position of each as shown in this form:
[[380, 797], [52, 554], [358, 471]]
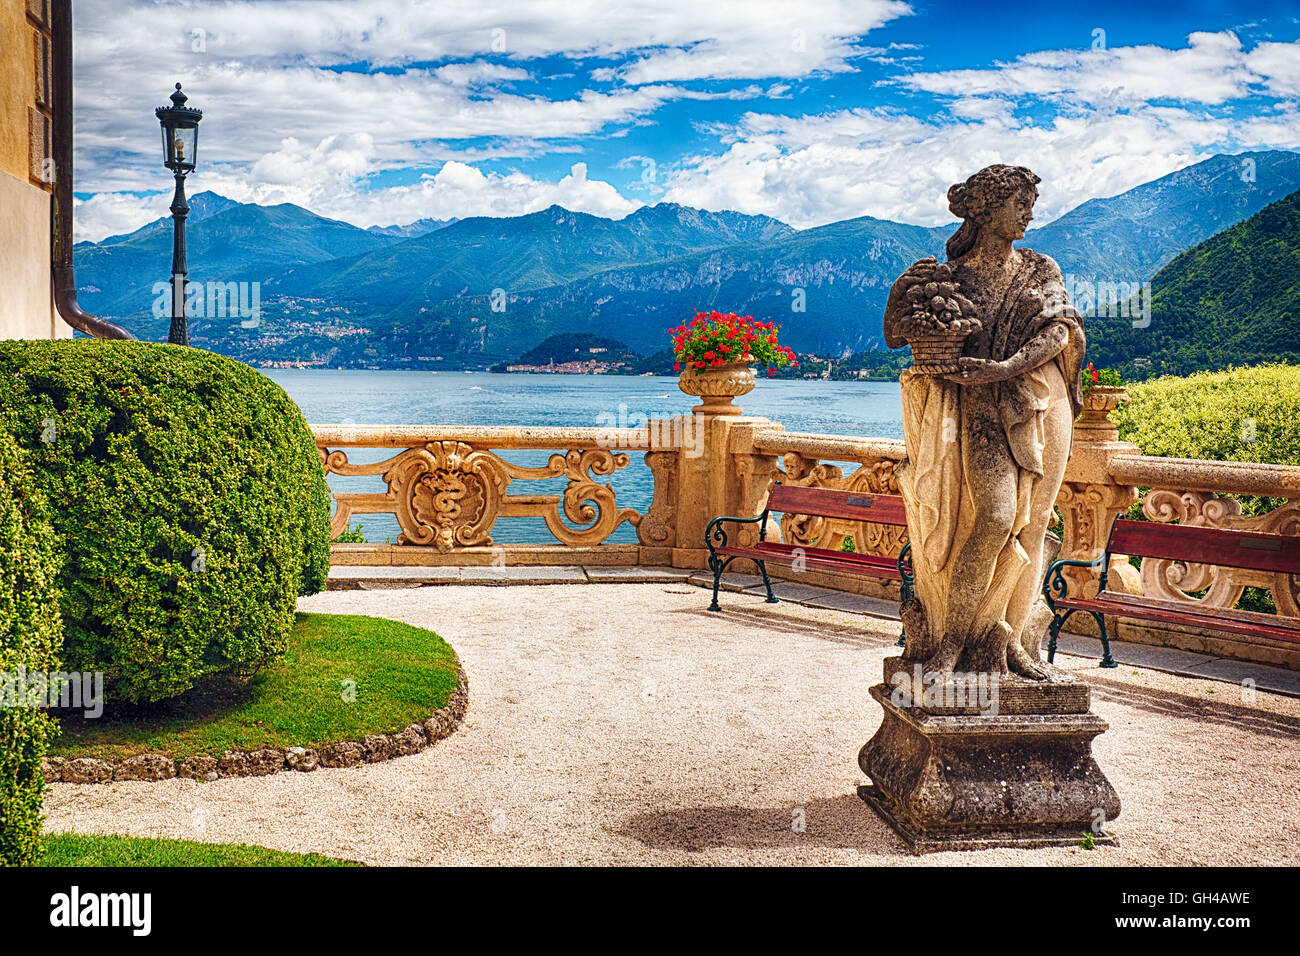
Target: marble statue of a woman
[[987, 442]]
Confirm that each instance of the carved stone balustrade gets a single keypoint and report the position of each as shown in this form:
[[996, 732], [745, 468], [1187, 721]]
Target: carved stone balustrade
[[448, 487]]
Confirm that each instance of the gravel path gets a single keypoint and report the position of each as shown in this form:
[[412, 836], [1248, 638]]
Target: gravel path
[[622, 723]]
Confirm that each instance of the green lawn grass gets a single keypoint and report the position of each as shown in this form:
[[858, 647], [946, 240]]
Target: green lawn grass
[[73, 849], [402, 675]]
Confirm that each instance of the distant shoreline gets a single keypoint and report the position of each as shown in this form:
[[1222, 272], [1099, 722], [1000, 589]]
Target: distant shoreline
[[311, 367]]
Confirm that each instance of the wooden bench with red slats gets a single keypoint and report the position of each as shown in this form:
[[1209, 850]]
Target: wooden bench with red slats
[[1191, 544], [814, 502]]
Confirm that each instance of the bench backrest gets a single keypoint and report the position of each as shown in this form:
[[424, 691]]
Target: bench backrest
[[830, 503], [1254, 550]]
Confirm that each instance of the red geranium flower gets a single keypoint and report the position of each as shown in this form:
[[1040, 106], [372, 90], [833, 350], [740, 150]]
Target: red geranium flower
[[713, 339]]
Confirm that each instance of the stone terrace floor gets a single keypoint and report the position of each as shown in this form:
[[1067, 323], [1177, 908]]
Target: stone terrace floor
[[617, 721]]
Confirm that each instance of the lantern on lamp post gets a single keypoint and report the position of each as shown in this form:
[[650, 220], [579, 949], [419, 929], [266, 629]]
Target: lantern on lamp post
[[180, 136]]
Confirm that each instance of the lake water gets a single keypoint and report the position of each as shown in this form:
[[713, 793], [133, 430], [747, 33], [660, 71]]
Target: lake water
[[868, 409]]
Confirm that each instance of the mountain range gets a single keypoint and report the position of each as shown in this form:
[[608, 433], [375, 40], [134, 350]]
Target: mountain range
[[472, 292], [412, 230], [518, 254], [1232, 299], [225, 241]]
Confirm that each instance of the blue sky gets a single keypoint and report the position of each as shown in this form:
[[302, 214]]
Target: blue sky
[[383, 111]]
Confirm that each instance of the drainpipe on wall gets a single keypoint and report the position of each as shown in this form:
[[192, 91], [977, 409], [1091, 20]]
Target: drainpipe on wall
[[65, 284]]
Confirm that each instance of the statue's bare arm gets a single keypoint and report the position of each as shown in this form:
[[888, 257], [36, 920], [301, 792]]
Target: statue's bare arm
[[1039, 350]]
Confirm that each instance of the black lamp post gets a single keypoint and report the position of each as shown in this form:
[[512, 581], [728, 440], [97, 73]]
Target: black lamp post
[[180, 133]]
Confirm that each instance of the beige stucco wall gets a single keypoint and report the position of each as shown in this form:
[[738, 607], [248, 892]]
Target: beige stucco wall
[[26, 295], [17, 86], [26, 302]]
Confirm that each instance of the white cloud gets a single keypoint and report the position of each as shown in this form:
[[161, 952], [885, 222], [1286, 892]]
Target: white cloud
[[457, 190], [267, 71], [401, 114], [341, 158], [114, 214], [755, 36], [462, 191], [480, 73], [812, 170], [758, 40], [1279, 64], [1095, 129], [1213, 68]]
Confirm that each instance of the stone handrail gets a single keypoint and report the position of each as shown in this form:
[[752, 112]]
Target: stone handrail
[[482, 436], [1191, 474], [447, 487], [831, 447]]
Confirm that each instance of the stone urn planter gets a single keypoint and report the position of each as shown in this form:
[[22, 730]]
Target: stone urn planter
[[1094, 421], [716, 387]]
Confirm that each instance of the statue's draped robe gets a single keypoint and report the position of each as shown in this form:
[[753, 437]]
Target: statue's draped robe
[[933, 485]]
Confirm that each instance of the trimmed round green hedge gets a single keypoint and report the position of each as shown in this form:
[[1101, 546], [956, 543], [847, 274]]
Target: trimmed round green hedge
[[187, 497], [29, 638]]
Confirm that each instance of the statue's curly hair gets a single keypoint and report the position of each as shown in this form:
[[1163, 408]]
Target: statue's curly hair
[[971, 201]]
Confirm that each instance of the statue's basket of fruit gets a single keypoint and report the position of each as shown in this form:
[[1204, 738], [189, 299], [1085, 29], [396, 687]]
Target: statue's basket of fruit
[[936, 353], [938, 321]]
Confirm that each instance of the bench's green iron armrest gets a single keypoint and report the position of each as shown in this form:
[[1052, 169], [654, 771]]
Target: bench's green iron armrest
[[906, 572], [1054, 588], [1054, 582], [715, 532]]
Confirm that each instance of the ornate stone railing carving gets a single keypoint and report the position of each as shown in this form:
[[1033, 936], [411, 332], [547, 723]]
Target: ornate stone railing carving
[[447, 487], [1191, 492], [805, 456]]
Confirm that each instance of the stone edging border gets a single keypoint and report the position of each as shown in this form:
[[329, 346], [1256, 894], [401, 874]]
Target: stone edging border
[[373, 748]]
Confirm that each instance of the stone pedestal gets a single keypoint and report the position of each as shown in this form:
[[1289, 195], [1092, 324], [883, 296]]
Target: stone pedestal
[[1015, 768]]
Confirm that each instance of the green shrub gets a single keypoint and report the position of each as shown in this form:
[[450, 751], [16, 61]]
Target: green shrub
[[355, 534], [29, 638], [1242, 414], [187, 496]]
